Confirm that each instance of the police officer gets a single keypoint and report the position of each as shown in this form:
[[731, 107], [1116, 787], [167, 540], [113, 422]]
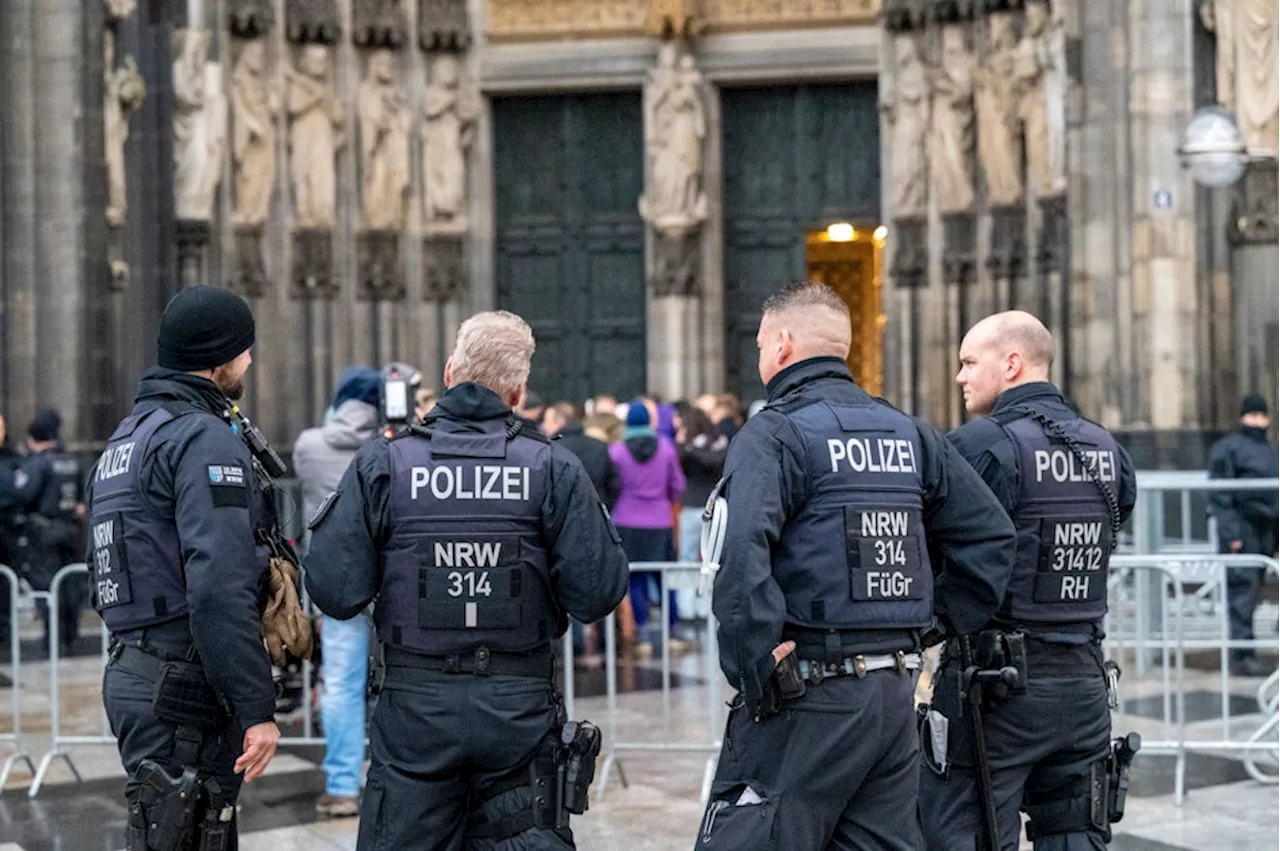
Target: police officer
[[52, 494], [477, 536], [826, 589], [178, 574], [1246, 521], [1067, 485]]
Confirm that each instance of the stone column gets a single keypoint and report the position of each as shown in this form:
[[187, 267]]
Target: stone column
[[1255, 261], [676, 207]]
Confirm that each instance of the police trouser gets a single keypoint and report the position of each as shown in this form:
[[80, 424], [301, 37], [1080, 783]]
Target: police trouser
[[129, 700], [445, 747], [1040, 744], [835, 770], [55, 544]]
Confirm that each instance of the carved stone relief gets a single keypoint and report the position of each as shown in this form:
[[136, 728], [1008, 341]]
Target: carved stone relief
[[1041, 84], [118, 10], [1008, 255], [385, 122], [676, 267], [249, 18], [443, 25], [675, 19], [249, 275], [960, 249], [675, 128], [255, 105], [898, 16], [911, 252], [199, 125], [313, 265], [315, 136], [1248, 66], [378, 259], [999, 128], [125, 92], [312, 21], [906, 110], [951, 127], [448, 129], [446, 271], [1254, 208], [1054, 246], [378, 23]]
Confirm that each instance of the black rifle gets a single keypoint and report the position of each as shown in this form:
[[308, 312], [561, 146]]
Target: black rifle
[[268, 467], [972, 681]]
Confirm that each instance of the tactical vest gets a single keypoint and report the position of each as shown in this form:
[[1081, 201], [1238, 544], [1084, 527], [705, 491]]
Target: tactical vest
[[465, 564], [136, 576], [1063, 520], [854, 556], [62, 490]]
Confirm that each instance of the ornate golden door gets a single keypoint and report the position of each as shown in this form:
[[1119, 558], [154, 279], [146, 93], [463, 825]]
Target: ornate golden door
[[849, 263]]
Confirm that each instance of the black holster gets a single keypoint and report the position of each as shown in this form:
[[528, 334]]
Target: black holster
[[162, 817], [784, 684]]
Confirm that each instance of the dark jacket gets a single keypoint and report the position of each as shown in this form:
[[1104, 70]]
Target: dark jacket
[[1245, 516], [594, 455], [225, 579], [344, 567], [986, 445], [767, 474], [702, 460]]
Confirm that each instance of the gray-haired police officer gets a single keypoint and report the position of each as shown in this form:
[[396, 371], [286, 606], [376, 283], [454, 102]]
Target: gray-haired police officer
[[825, 588], [476, 535], [1067, 486], [178, 577]]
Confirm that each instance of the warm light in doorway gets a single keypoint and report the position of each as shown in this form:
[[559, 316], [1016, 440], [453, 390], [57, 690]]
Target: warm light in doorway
[[881, 233], [840, 232]]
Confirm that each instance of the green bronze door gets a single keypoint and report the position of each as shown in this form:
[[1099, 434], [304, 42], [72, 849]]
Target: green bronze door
[[796, 158], [570, 243]]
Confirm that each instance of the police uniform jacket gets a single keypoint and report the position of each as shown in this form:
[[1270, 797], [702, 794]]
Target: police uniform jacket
[[194, 476], [585, 562], [789, 488], [1245, 516], [52, 486], [989, 446]]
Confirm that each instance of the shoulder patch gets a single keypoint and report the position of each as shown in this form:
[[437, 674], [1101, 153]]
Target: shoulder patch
[[228, 485], [230, 475], [326, 505]]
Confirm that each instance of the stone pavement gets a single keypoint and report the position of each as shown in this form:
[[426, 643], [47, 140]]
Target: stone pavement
[[659, 809]]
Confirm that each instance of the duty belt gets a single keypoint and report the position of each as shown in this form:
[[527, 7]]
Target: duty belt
[[482, 662], [858, 666]]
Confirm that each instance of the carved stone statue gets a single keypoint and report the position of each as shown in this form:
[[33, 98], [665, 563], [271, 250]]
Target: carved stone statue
[[1248, 77], [118, 10], [906, 109], [315, 135], [675, 127], [199, 125], [447, 132], [675, 19], [995, 96], [1041, 74], [385, 119], [255, 105], [951, 133], [125, 92]]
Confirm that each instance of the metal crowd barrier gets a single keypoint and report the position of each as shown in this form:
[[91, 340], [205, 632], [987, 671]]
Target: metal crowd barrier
[[711, 656], [14, 737], [1163, 636], [59, 741]]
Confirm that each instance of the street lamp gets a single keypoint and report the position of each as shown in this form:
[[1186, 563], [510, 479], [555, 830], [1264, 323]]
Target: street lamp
[[1213, 149]]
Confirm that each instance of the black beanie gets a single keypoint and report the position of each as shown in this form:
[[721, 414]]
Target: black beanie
[[45, 426], [1253, 404], [204, 327]]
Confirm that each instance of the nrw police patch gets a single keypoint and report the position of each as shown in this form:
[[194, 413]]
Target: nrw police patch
[[226, 474]]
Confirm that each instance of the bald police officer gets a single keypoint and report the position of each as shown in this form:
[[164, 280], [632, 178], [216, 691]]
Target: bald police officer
[[477, 537], [1067, 485], [179, 577], [826, 589]]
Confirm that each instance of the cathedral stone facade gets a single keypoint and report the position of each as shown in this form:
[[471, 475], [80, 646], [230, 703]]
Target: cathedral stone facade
[[634, 176]]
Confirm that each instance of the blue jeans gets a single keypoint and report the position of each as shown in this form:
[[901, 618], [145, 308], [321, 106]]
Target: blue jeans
[[345, 649]]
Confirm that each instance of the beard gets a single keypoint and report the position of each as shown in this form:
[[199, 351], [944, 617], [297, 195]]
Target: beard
[[235, 392]]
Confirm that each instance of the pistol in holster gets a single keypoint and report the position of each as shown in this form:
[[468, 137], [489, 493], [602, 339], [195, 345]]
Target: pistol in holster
[[162, 815], [784, 684]]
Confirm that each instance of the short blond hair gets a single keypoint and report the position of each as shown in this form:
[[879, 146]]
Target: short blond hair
[[493, 349]]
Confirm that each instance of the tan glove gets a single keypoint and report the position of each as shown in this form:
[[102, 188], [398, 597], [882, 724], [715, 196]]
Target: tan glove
[[284, 624]]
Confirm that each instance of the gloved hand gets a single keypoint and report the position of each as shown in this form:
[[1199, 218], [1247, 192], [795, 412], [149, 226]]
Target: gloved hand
[[284, 624]]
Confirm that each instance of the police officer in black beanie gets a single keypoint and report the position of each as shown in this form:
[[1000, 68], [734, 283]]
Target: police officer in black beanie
[[1246, 521], [178, 578], [50, 490]]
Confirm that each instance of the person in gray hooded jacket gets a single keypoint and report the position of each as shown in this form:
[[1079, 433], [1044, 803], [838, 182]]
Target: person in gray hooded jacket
[[321, 456]]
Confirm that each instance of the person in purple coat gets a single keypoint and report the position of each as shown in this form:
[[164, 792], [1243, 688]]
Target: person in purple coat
[[651, 481]]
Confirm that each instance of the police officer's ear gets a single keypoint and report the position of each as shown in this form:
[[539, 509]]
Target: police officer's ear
[[517, 399], [448, 373]]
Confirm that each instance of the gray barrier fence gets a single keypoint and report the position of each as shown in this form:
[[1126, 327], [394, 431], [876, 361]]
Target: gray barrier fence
[[14, 737]]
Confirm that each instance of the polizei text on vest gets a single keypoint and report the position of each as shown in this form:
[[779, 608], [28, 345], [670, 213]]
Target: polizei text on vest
[[482, 481]]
